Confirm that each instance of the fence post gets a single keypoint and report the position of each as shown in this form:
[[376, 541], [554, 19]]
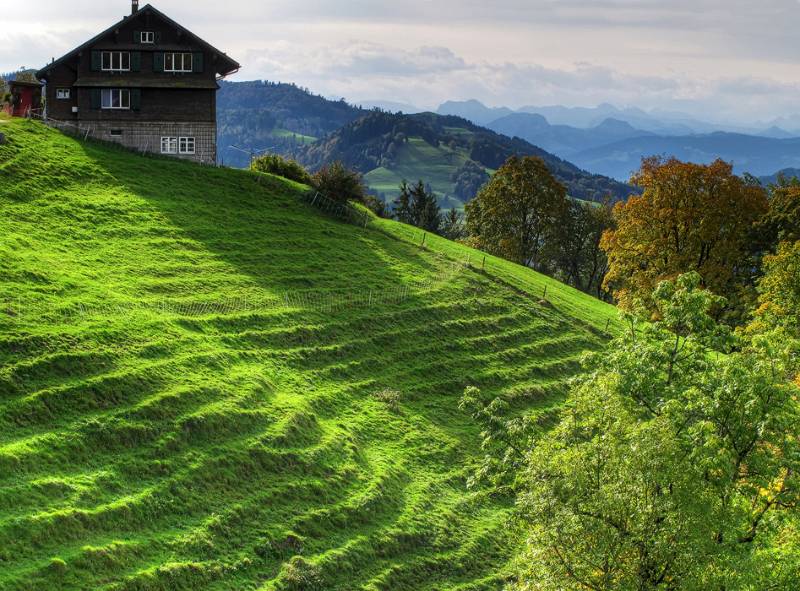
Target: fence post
[[483, 264], [545, 292], [608, 323], [424, 235]]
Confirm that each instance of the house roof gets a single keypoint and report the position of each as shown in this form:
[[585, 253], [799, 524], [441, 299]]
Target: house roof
[[225, 65], [23, 83]]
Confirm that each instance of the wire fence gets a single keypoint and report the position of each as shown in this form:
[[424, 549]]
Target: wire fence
[[338, 209], [23, 311]]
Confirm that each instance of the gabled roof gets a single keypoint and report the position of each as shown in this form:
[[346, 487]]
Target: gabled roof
[[224, 65]]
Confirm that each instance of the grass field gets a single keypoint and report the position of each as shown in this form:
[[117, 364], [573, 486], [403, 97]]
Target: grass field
[[417, 159], [204, 384]]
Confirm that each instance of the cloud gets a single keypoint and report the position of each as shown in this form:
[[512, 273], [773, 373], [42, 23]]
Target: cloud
[[731, 58]]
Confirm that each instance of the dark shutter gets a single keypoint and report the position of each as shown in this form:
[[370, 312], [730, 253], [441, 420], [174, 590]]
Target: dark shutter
[[157, 37], [136, 99], [158, 61], [136, 61], [97, 98], [137, 36], [197, 62], [97, 61]]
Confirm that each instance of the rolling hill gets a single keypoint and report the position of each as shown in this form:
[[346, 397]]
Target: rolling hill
[[440, 150], [261, 114], [206, 384]]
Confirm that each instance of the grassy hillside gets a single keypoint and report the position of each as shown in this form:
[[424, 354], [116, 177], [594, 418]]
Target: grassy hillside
[[204, 384]]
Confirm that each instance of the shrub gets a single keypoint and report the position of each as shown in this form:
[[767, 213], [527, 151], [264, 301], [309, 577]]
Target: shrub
[[391, 398], [300, 575], [280, 166], [339, 183]]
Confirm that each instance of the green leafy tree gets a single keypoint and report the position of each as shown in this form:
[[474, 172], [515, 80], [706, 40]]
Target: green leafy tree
[[779, 289], [516, 213], [577, 257], [673, 467], [339, 183], [504, 440]]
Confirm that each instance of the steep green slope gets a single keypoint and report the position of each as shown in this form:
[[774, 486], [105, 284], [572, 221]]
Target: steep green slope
[[196, 376]]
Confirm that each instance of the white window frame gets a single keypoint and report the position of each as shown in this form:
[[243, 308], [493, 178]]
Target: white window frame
[[172, 59], [115, 61], [147, 37], [63, 94], [169, 145], [186, 145], [122, 96]]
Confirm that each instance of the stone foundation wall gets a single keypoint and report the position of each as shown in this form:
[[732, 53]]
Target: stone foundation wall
[[146, 136]]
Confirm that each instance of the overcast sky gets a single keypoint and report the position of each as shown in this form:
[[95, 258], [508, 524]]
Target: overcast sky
[[731, 60]]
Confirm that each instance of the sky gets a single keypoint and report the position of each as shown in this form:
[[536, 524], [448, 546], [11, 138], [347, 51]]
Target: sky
[[732, 61]]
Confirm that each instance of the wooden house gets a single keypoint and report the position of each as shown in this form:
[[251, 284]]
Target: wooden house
[[146, 82]]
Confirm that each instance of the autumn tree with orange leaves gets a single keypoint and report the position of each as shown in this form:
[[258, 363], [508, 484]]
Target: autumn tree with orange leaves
[[690, 217]]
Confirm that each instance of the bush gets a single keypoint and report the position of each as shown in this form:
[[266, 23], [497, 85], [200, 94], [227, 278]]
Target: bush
[[300, 575], [339, 183], [376, 206], [280, 166], [391, 398]]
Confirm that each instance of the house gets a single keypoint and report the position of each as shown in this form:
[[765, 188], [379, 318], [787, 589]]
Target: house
[[146, 82], [26, 98]]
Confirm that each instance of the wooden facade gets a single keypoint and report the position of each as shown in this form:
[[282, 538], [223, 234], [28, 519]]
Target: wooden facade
[[146, 82]]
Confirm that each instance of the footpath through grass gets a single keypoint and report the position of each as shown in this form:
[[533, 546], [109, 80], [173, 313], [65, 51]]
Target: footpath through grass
[[201, 379]]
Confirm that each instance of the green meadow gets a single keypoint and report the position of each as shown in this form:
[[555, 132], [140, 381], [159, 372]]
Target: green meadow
[[207, 384]]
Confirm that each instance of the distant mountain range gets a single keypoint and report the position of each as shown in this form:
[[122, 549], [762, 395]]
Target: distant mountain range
[[749, 154], [615, 146], [658, 122], [451, 154]]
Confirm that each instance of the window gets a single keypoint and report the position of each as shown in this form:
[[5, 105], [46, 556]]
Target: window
[[116, 61], [115, 133], [187, 145], [169, 145], [177, 62], [147, 37], [115, 98], [62, 94]]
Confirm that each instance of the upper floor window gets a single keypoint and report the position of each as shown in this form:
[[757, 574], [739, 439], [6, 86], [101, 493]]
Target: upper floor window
[[116, 61], [62, 93], [147, 37], [116, 98], [178, 62]]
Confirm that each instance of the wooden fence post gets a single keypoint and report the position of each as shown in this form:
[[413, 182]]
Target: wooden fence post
[[545, 292]]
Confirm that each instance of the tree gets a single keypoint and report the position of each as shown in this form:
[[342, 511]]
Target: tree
[[425, 210], [514, 215], [782, 221], [779, 289], [453, 225], [690, 217], [402, 205], [576, 253], [672, 467], [418, 206], [339, 183]]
